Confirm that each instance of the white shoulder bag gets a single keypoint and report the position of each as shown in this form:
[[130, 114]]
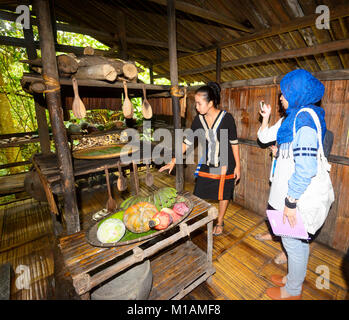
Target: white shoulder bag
[[315, 202]]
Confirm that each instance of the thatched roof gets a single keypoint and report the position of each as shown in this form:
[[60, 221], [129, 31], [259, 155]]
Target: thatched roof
[[241, 28]]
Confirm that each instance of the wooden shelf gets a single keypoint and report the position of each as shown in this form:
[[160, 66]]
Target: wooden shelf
[[95, 86], [175, 271]]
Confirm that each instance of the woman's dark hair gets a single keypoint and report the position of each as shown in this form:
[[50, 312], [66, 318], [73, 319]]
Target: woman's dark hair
[[212, 92]]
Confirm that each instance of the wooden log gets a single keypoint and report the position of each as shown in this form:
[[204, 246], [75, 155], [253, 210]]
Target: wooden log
[[125, 68], [53, 98], [89, 51], [97, 72], [37, 87], [65, 63]]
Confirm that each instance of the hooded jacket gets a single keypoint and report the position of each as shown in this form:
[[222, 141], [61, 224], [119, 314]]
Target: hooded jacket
[[302, 90]]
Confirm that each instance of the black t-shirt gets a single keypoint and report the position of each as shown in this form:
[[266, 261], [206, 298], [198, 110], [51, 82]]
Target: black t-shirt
[[223, 130]]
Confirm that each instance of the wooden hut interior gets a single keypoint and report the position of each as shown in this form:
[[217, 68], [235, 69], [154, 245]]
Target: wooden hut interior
[[245, 46]]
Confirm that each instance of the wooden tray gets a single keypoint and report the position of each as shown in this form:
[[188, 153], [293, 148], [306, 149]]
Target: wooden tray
[[91, 234], [105, 152]]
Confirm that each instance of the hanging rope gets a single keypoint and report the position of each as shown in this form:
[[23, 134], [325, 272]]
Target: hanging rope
[[51, 82]]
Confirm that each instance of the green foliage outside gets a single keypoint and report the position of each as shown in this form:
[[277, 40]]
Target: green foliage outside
[[21, 103]]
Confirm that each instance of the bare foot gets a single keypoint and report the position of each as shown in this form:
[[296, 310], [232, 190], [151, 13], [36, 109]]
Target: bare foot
[[281, 258], [264, 236], [284, 293]]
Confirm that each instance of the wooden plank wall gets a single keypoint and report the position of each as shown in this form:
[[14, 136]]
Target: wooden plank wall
[[253, 190]]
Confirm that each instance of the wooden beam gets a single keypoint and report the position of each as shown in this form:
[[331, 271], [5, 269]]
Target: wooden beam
[[15, 164], [205, 14], [171, 16], [20, 42], [285, 54], [121, 24], [321, 75], [28, 77], [294, 24], [53, 98]]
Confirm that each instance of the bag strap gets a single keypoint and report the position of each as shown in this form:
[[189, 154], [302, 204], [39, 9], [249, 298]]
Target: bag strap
[[318, 127]]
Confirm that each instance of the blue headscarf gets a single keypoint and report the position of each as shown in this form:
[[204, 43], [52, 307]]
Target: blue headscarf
[[301, 89]]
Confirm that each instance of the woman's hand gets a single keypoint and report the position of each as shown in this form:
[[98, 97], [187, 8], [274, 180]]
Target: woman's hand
[[274, 150], [266, 111], [168, 166], [237, 173], [291, 216]]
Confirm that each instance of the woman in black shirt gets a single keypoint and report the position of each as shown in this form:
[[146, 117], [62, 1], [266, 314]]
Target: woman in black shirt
[[217, 171]]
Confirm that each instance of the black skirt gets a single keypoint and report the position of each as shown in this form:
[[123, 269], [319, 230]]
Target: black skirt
[[211, 185]]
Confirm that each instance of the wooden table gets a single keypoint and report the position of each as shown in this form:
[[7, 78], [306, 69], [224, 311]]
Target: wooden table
[[178, 266]]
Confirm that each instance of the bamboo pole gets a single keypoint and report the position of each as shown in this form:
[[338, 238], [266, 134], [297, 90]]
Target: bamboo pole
[[53, 98], [171, 15]]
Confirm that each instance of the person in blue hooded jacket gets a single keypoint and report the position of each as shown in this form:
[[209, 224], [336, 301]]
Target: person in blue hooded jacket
[[296, 164]]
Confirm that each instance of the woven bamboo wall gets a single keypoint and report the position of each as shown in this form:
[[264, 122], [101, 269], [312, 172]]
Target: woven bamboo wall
[[253, 190]]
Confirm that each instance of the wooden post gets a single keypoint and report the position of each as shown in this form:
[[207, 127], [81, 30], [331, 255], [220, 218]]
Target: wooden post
[[53, 99], [218, 65], [121, 24], [151, 73], [171, 16], [40, 111], [53, 20]]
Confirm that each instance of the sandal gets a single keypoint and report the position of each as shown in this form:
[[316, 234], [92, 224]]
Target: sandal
[[218, 226], [280, 258]]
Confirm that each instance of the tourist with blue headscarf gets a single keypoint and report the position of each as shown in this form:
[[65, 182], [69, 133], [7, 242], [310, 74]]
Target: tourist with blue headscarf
[[295, 166]]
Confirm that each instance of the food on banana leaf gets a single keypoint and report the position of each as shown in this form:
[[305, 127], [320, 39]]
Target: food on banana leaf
[[172, 213], [180, 208], [160, 221], [137, 216], [110, 230]]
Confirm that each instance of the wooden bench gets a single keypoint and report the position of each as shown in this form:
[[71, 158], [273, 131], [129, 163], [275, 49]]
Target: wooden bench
[[178, 266]]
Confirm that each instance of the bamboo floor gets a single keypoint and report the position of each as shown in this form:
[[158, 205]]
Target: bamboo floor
[[243, 264]]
